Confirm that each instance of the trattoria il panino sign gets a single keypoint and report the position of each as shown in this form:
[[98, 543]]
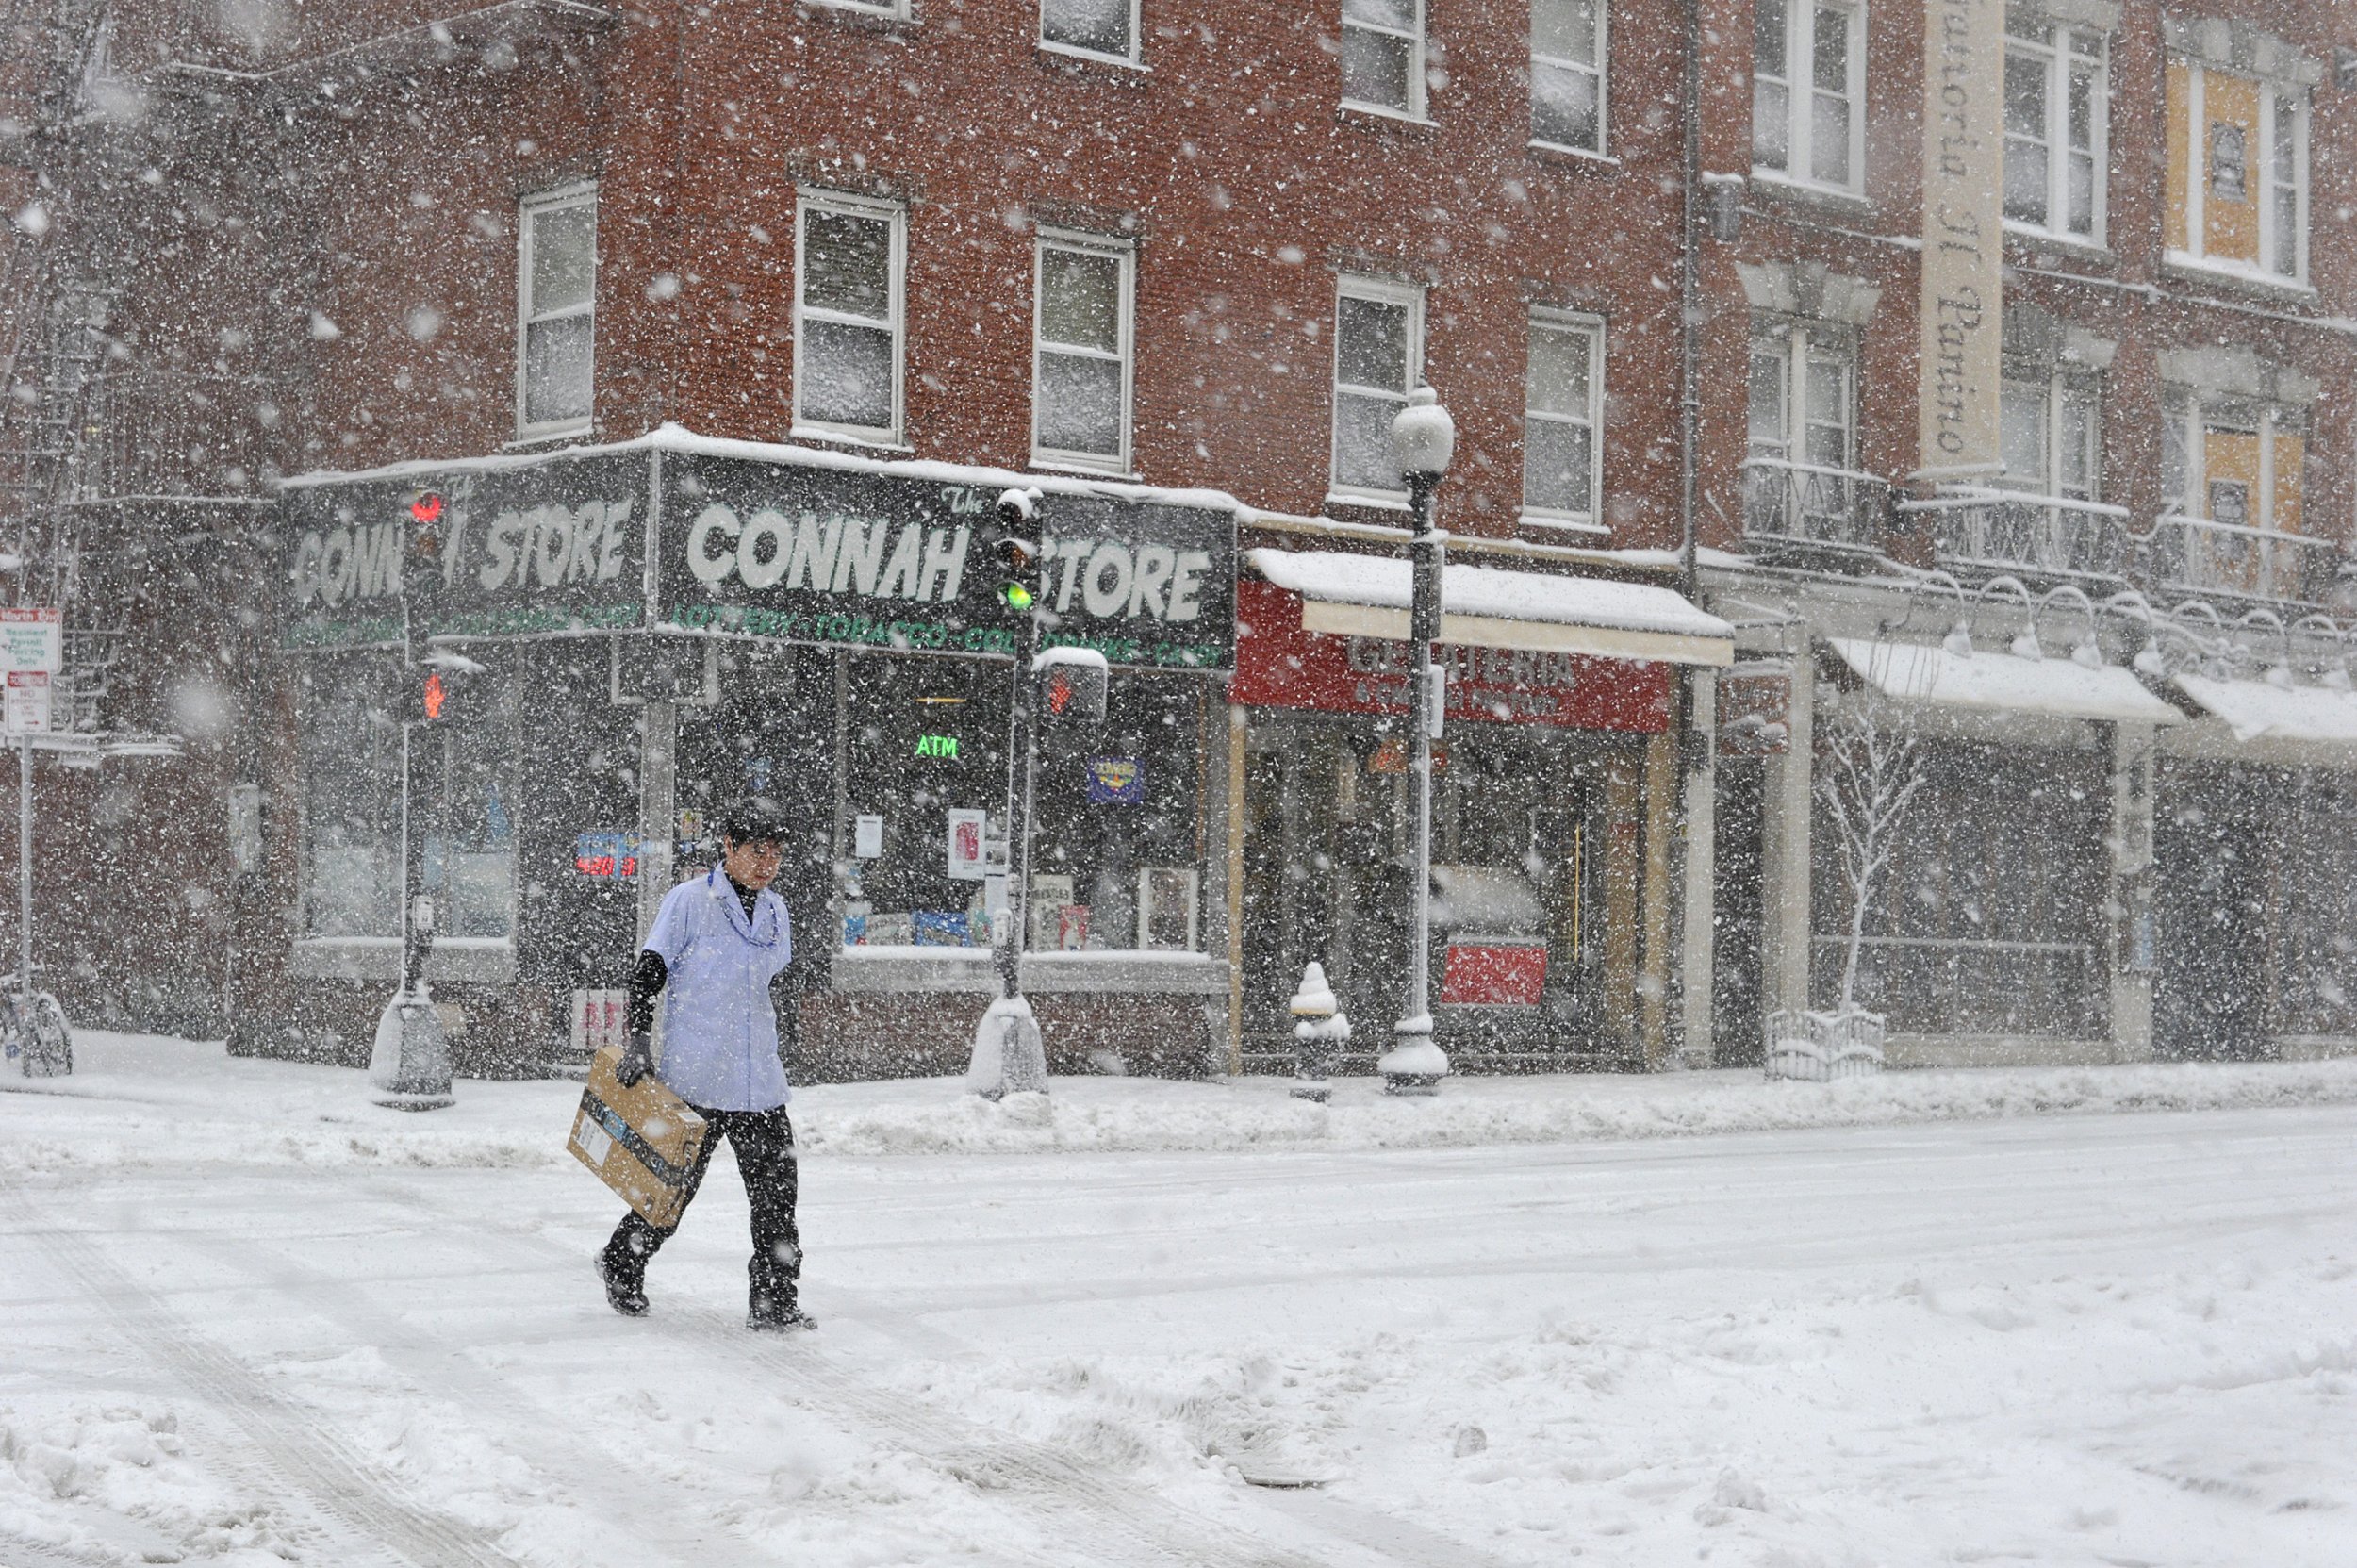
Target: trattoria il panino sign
[[557, 547], [879, 560], [749, 549]]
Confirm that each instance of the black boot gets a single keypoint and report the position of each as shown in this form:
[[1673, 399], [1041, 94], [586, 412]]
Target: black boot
[[625, 1288], [766, 1317]]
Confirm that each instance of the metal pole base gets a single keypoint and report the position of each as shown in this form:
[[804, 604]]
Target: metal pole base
[[1413, 1066], [1317, 1094], [1411, 1083]]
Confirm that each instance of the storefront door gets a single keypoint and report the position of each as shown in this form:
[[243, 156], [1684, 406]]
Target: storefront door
[[2210, 999]]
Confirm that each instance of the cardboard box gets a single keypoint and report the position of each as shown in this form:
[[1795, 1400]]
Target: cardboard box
[[642, 1141]]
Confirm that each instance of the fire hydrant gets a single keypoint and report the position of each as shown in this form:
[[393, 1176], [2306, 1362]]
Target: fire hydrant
[[1318, 1037]]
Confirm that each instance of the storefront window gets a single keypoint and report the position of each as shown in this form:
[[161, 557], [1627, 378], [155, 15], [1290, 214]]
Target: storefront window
[[351, 746], [352, 754], [1118, 838], [1990, 920]]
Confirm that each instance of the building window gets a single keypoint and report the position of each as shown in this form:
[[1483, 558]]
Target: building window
[[1379, 350], [2056, 122], [557, 310], [1562, 405], [2232, 475], [1383, 55], [1082, 325], [848, 260], [2050, 433], [1567, 55], [2237, 196], [1799, 478], [1808, 81], [1094, 27]]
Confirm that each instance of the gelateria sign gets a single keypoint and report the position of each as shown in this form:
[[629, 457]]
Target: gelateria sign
[[744, 547], [885, 560], [551, 548]]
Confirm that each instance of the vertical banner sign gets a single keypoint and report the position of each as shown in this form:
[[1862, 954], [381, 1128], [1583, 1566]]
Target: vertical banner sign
[[1964, 148]]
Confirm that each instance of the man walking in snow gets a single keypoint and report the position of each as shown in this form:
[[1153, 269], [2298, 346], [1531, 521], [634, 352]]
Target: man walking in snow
[[720, 948]]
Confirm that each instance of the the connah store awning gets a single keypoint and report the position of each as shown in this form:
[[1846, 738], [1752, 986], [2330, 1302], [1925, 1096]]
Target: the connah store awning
[[2003, 690], [1326, 631], [2268, 721]]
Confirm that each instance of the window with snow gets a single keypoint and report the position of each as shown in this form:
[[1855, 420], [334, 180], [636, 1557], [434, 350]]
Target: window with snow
[[1094, 26], [1562, 405], [848, 257], [557, 310], [2050, 435], [1080, 372], [1808, 88], [1798, 479], [1378, 348], [2237, 191], [2056, 120], [1383, 55], [2233, 472], [1566, 74]]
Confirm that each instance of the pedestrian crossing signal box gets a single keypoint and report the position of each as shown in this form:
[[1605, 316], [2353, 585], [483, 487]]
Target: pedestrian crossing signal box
[[1072, 695]]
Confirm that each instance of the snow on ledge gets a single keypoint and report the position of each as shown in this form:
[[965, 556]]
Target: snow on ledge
[[2002, 683], [2262, 710], [1386, 582]]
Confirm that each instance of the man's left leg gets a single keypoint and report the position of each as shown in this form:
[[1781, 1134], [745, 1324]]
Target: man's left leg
[[764, 1141]]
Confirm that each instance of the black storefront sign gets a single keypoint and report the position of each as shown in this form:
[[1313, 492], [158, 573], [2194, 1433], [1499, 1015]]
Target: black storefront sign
[[782, 550], [551, 548], [849, 557]]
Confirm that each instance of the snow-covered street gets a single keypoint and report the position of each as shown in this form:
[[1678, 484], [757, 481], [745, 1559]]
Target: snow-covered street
[[250, 1319]]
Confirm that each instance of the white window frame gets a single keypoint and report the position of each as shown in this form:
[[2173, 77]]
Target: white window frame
[[1797, 343], [1601, 70], [899, 9], [2059, 387], [1125, 254], [1415, 108], [1800, 37], [1130, 56], [1591, 519], [2062, 60], [810, 199], [1359, 285], [2259, 173], [2190, 409], [529, 211]]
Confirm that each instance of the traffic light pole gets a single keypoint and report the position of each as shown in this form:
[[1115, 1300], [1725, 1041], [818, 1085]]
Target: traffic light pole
[[1022, 771]]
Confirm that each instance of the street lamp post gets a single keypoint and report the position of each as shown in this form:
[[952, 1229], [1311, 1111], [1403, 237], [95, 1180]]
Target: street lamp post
[[1423, 438]]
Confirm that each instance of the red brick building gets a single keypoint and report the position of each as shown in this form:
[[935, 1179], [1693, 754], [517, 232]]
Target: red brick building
[[1171, 268]]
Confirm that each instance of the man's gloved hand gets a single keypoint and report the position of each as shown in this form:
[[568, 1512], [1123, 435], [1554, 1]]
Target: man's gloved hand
[[637, 1059]]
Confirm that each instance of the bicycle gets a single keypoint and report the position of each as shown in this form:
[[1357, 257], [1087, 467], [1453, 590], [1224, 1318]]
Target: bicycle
[[33, 1034]]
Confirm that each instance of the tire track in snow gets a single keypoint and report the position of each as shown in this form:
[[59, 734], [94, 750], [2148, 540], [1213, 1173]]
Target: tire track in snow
[[518, 1425], [1110, 1522], [295, 1453]]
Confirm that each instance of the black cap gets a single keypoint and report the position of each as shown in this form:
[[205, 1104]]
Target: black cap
[[755, 818]]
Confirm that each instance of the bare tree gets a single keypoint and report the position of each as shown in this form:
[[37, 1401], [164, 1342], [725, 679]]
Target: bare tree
[[1868, 772]]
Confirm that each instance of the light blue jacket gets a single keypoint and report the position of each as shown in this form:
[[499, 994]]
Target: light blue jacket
[[719, 1030]]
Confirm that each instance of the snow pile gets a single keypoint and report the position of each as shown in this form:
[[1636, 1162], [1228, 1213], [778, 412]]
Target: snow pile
[[141, 1099]]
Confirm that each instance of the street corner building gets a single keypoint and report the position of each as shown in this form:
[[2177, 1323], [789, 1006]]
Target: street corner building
[[493, 441]]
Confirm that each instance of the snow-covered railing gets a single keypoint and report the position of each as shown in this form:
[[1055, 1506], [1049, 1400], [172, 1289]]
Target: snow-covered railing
[[1815, 1047], [1980, 528], [1974, 986], [1810, 504], [2198, 555]]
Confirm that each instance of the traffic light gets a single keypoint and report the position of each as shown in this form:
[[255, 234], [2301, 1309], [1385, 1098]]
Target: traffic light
[[444, 689], [1072, 683], [1014, 552]]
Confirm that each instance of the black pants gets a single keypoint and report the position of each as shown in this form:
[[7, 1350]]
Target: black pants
[[764, 1141]]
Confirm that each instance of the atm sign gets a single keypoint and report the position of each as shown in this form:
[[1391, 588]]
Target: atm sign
[[944, 747]]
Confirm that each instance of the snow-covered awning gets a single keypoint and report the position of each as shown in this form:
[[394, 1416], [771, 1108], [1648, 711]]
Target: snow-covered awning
[[2263, 710], [2002, 683], [1368, 596]]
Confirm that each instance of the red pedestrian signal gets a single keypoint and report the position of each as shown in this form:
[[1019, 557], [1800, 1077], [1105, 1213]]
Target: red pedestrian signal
[[436, 694]]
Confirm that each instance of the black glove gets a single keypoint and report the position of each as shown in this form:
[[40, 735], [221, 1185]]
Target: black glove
[[637, 1059]]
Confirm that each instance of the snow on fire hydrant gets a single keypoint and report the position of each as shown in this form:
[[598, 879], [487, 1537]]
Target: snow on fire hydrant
[[1319, 1037]]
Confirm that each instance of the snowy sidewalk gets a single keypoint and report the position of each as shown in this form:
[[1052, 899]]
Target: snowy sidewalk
[[136, 1095]]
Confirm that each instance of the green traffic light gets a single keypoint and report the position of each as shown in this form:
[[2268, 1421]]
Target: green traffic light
[[1016, 595]]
